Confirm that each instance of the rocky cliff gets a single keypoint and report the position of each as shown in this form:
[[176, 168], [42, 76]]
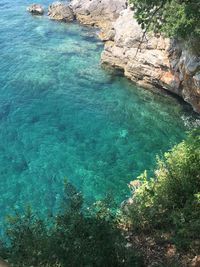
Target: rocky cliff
[[185, 69], [150, 61], [143, 62], [99, 13]]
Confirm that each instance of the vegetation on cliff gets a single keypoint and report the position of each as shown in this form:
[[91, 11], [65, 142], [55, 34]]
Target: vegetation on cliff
[[174, 18], [170, 201], [76, 236]]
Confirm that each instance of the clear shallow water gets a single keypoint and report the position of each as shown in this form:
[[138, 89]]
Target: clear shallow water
[[62, 115]]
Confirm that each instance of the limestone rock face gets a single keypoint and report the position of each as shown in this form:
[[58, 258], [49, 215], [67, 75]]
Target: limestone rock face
[[154, 62], [97, 12], [150, 61], [185, 67], [144, 63], [60, 11], [35, 9]]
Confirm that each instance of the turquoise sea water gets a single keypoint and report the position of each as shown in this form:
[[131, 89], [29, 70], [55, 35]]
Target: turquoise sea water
[[62, 115]]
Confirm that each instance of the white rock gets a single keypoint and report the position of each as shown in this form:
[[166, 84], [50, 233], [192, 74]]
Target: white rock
[[97, 12], [60, 11], [35, 9]]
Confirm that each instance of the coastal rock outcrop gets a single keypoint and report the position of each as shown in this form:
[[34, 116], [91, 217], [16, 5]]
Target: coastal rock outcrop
[[35, 9], [60, 11], [150, 61], [143, 61], [99, 13]]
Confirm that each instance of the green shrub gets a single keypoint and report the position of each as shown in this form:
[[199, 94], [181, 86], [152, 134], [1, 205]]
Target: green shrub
[[174, 18], [171, 200], [74, 237]]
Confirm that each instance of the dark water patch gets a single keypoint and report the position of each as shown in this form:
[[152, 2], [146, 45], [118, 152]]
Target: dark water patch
[[4, 111]]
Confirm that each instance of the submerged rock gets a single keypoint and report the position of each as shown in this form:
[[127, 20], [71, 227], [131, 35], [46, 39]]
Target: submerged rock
[[60, 11], [35, 9]]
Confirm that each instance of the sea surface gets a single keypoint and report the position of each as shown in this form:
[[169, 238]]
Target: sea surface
[[63, 116]]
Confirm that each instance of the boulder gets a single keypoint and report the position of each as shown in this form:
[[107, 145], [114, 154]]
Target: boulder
[[35, 9], [60, 11]]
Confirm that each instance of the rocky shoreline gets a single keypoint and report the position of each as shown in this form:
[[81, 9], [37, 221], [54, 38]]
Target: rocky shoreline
[[149, 62]]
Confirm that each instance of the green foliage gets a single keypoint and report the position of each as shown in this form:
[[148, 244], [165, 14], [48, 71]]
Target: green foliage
[[178, 18], [171, 200], [74, 237]]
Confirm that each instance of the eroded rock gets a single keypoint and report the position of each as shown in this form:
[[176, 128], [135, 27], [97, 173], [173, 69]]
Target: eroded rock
[[142, 62], [98, 12], [35, 9], [61, 11], [153, 61]]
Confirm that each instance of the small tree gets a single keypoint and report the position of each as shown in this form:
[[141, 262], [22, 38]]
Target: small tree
[[173, 18], [171, 200]]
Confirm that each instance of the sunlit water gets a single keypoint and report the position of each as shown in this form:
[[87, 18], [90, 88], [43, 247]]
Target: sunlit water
[[62, 115]]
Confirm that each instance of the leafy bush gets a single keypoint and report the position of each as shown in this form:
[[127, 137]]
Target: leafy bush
[[171, 200], [177, 18], [74, 237]]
